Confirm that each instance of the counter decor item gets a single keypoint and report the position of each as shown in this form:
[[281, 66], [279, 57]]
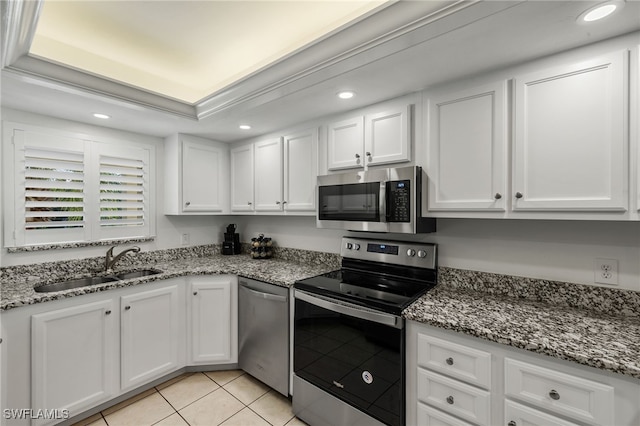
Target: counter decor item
[[261, 247], [231, 244]]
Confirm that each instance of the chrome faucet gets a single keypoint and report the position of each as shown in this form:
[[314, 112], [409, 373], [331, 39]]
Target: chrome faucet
[[110, 261]]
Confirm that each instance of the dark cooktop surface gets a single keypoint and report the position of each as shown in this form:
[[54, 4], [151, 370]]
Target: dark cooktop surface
[[376, 290]]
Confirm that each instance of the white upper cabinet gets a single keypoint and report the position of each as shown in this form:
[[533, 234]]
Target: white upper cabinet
[[467, 149], [268, 175], [276, 175], [300, 170], [377, 138], [345, 143], [387, 136], [242, 178], [570, 148], [196, 176]]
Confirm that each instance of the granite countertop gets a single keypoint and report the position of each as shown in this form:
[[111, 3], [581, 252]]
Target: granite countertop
[[585, 336], [18, 290]]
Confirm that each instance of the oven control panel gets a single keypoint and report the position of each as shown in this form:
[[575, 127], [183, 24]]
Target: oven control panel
[[397, 252]]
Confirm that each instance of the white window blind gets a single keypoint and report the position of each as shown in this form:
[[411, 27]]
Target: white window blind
[[54, 189], [65, 189], [122, 192]]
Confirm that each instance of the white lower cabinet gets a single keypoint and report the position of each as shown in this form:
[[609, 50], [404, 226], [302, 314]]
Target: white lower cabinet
[[150, 333], [456, 379], [520, 415], [74, 353], [213, 319]]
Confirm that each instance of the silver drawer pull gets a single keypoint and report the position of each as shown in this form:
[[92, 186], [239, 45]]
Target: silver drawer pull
[[554, 395], [126, 308], [512, 423], [450, 400], [449, 361]]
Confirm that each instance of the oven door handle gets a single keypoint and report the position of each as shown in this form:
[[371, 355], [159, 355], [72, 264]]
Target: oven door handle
[[351, 310]]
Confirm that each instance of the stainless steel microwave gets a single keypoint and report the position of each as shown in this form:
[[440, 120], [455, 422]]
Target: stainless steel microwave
[[380, 200]]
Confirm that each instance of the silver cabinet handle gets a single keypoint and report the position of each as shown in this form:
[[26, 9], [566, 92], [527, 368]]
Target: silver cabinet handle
[[188, 203], [450, 399], [518, 195], [497, 196], [248, 203], [357, 155], [284, 202], [126, 308], [554, 395], [449, 361], [511, 423], [107, 312], [195, 293], [277, 202], [368, 154]]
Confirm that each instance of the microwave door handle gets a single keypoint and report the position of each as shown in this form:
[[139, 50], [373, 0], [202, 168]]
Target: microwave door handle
[[383, 202]]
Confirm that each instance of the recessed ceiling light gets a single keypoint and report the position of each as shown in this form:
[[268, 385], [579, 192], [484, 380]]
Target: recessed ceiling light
[[346, 95], [102, 116], [244, 127], [598, 12]]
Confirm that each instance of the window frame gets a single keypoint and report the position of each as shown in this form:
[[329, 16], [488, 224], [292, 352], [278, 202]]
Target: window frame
[[18, 135]]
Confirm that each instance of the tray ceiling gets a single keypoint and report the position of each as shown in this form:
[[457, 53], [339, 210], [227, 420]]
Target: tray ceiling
[[185, 50]]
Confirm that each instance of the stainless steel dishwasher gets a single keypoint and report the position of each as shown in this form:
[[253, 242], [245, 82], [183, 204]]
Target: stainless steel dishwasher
[[263, 327]]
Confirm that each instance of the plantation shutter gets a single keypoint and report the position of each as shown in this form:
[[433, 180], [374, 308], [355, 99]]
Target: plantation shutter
[[123, 191], [50, 198]]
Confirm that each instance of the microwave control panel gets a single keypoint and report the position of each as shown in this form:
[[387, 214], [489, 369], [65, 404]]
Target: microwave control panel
[[399, 201]]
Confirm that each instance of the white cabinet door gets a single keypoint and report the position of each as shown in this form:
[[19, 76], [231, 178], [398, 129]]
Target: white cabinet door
[[268, 174], [213, 332], [570, 147], [345, 144], [467, 150], [387, 136], [73, 356], [300, 170], [201, 178], [242, 178], [150, 326]]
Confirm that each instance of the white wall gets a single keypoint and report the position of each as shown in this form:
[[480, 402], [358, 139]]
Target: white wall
[[169, 229], [554, 250]]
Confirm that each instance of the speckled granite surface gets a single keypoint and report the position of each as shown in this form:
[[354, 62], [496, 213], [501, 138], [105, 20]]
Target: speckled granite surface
[[17, 282], [594, 326]]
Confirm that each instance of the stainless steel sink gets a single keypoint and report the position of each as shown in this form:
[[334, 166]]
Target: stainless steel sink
[[137, 274], [89, 281], [80, 282]]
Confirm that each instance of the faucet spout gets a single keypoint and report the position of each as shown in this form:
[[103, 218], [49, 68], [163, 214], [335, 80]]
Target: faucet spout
[[110, 260]]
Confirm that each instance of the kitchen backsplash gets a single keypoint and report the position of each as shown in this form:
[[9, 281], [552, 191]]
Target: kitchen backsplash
[[603, 300]]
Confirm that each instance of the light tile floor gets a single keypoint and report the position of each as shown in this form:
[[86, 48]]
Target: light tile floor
[[227, 398]]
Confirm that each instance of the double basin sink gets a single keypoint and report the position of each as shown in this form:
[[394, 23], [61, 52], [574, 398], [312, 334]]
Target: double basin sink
[[89, 281]]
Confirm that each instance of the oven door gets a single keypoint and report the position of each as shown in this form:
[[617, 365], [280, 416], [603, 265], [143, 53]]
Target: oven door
[[354, 354], [354, 201]]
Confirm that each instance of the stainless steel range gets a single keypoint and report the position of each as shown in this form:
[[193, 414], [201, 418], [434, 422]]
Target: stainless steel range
[[349, 339]]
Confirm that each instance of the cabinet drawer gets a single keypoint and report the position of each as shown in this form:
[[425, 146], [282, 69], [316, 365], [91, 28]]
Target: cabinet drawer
[[429, 416], [519, 415], [462, 362], [578, 398], [454, 397]]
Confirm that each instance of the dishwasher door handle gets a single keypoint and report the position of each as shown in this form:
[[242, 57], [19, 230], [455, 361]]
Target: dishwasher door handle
[[263, 295]]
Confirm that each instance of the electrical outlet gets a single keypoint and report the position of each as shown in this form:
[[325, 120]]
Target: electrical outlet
[[606, 271], [185, 239]]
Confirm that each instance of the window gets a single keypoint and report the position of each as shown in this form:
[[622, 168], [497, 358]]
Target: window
[[66, 189]]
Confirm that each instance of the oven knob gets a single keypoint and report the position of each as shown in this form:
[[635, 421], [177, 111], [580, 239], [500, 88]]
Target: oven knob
[[356, 246], [349, 246], [422, 254], [411, 252]]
